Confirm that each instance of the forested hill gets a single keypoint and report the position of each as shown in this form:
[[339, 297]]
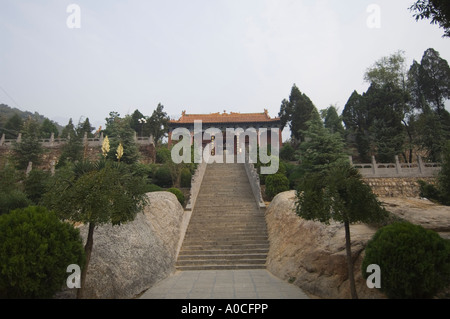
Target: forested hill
[[7, 112]]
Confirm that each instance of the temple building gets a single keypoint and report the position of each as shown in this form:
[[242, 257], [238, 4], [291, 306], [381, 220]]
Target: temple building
[[224, 121]]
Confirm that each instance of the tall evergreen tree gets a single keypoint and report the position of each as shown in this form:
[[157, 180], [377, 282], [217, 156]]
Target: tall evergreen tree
[[12, 127], [48, 128], [85, 128], [119, 132], [436, 80], [429, 88], [29, 149], [296, 113], [68, 130], [356, 119], [333, 121], [158, 123]]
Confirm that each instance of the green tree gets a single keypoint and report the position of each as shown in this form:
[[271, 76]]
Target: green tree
[[296, 113], [429, 87], [158, 123], [72, 150], [139, 123], [356, 120], [12, 195], [35, 250], [13, 127], [95, 194], [29, 149], [388, 107], [321, 149], [435, 80], [68, 130], [35, 185], [436, 10], [119, 131], [385, 115], [47, 128], [275, 184], [339, 194], [388, 70], [85, 128], [332, 120]]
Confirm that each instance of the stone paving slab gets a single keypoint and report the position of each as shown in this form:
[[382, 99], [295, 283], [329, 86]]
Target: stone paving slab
[[224, 284]]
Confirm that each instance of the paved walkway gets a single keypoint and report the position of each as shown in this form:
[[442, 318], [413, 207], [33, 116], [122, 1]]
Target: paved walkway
[[224, 284]]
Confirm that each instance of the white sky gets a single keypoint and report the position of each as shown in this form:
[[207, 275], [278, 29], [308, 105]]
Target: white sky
[[196, 55]]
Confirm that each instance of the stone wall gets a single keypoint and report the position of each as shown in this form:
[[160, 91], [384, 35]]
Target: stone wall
[[397, 187], [91, 152]]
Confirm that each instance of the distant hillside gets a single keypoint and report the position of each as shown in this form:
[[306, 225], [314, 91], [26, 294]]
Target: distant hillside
[[6, 112]]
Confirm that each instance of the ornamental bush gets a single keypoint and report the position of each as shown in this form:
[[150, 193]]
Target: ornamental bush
[[35, 250], [163, 178], [179, 194], [276, 184], [186, 178], [414, 262]]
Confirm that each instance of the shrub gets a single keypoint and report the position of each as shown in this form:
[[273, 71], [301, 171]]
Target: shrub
[[287, 153], [179, 194], [150, 188], [35, 250], [35, 185], [414, 262], [276, 184], [163, 155], [11, 200], [429, 191], [163, 178], [186, 178]]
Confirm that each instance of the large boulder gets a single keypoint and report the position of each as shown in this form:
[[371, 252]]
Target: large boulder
[[312, 255], [128, 259], [421, 212]]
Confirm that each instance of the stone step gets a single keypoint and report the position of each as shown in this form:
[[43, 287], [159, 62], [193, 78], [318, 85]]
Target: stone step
[[227, 230], [219, 267], [229, 251], [226, 261], [210, 243], [218, 221], [230, 257], [233, 231], [225, 247]]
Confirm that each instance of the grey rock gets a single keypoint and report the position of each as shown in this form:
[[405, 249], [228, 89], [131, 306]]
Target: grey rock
[[128, 259], [311, 254]]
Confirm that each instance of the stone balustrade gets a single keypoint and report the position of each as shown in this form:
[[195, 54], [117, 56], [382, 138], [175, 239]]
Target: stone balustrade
[[56, 142], [397, 169]]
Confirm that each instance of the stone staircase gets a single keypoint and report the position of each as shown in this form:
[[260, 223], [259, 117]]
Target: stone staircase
[[227, 230]]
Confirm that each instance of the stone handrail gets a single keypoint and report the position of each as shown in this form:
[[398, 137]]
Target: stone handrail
[[253, 177], [196, 183], [54, 142], [397, 169]]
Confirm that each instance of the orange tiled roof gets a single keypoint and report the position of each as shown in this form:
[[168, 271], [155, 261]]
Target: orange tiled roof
[[225, 118]]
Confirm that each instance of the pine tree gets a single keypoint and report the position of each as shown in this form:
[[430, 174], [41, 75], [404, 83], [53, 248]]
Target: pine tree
[[29, 149]]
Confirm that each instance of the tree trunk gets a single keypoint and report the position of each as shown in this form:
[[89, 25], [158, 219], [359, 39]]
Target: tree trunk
[[88, 251], [348, 248]]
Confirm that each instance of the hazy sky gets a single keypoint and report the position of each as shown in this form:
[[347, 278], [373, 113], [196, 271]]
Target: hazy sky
[[196, 55]]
